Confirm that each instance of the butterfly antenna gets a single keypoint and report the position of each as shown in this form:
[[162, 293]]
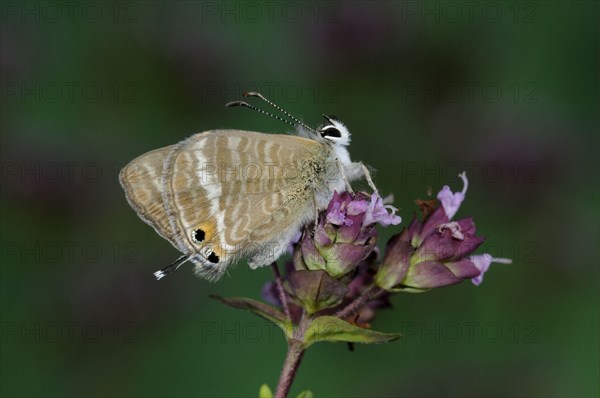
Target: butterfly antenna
[[174, 266], [280, 109], [247, 105]]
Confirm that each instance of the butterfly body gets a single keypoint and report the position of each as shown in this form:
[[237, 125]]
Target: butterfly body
[[225, 194]]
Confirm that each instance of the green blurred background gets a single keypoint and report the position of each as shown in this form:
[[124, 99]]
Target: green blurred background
[[506, 90]]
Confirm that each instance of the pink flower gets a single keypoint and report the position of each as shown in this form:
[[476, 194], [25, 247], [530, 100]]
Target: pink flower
[[377, 212], [483, 262], [345, 234], [452, 201], [435, 252]]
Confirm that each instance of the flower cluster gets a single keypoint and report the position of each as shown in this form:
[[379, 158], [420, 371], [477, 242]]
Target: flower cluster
[[345, 235], [336, 281], [333, 262], [437, 251]]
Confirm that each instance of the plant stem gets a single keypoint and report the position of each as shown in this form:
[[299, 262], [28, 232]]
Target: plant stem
[[369, 294], [294, 356], [280, 290], [290, 367]]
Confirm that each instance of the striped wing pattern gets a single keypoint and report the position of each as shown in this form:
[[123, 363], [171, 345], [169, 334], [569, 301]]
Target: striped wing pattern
[[247, 192], [141, 180]]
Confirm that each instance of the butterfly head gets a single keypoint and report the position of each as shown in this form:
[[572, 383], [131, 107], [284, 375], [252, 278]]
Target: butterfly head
[[334, 131]]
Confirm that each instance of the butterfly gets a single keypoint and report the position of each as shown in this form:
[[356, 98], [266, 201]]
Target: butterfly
[[222, 195]]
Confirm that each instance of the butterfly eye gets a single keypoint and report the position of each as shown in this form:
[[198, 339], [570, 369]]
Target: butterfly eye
[[331, 132], [198, 235]]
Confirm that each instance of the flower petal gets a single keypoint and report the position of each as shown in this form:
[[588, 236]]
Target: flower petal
[[378, 213], [335, 216], [452, 201], [483, 262], [357, 207]]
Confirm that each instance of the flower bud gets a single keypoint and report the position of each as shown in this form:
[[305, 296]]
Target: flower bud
[[435, 252], [315, 290], [345, 234]]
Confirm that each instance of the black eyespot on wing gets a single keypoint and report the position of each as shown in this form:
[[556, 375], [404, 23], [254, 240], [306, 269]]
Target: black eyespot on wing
[[213, 258], [198, 235], [331, 132]]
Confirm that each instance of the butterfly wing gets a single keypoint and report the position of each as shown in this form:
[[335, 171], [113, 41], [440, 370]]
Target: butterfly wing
[[242, 193], [141, 180]]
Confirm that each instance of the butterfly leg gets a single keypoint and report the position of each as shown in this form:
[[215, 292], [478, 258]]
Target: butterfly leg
[[367, 174], [343, 174], [316, 206]]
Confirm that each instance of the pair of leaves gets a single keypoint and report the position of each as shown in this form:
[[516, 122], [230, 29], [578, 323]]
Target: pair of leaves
[[323, 328]]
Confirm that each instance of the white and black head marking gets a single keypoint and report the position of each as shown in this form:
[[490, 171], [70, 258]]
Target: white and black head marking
[[335, 131]]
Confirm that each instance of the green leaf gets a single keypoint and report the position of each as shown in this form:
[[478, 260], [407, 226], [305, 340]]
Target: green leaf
[[306, 394], [329, 328], [261, 309], [265, 392]]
